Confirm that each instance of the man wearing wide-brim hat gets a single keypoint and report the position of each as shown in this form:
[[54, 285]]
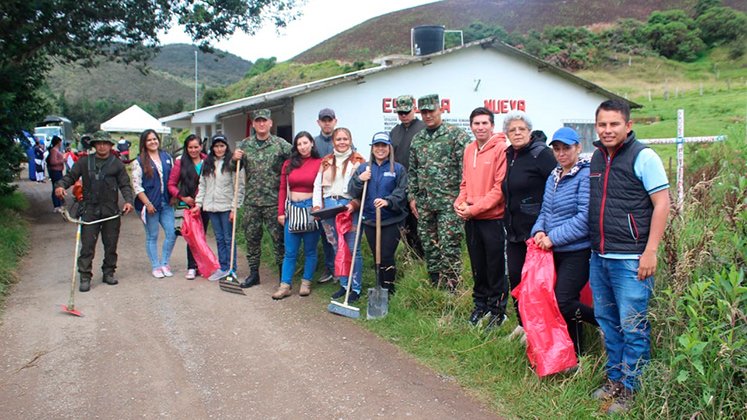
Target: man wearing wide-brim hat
[[262, 156], [104, 177]]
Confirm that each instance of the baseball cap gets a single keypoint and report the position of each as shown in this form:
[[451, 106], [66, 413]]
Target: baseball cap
[[327, 113], [429, 102], [381, 137], [566, 135], [262, 113], [218, 138], [404, 103]]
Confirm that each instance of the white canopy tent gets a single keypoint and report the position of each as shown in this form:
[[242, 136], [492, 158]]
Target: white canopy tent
[[134, 120]]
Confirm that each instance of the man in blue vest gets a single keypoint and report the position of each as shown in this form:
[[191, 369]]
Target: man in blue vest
[[628, 211]]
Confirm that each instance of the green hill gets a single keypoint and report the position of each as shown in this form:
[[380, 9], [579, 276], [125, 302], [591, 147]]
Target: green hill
[[390, 33]]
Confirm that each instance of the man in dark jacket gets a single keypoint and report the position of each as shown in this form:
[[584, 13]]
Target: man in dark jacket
[[628, 211], [104, 177], [327, 122], [401, 137]]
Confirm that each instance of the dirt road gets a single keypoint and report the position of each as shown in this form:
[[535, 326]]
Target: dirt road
[[183, 349]]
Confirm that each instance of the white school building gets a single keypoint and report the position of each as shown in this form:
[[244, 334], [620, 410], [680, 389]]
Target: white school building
[[482, 73]]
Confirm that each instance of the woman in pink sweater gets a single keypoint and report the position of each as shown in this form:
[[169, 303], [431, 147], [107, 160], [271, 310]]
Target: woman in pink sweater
[[297, 187], [55, 166]]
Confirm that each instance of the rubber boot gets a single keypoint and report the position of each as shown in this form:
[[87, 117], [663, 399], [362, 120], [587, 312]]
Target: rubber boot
[[251, 280], [109, 279], [388, 274]]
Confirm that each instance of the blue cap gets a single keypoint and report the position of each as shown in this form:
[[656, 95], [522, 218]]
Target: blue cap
[[381, 137], [566, 135]]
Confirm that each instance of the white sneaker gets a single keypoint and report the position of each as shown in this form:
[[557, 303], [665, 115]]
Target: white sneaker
[[157, 273], [519, 333], [166, 270], [191, 274], [217, 275]]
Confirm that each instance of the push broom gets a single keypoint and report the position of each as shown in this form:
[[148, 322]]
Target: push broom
[[345, 309], [230, 283]]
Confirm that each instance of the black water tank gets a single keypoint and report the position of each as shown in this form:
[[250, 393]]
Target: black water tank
[[427, 39]]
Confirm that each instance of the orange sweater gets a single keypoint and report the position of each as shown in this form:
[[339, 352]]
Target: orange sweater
[[482, 175]]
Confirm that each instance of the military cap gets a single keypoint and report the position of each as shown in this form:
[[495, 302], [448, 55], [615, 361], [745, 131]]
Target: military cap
[[262, 113], [102, 136], [429, 102], [404, 103]]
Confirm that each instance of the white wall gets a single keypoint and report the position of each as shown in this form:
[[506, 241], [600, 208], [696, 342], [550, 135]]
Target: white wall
[[549, 99]]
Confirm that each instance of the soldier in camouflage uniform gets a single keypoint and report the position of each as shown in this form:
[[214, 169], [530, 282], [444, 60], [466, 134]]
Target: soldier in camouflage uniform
[[435, 173], [262, 155]]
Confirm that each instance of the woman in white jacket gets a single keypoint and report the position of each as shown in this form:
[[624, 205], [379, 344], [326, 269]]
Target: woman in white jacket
[[215, 197]]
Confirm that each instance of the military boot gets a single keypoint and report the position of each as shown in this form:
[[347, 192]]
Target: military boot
[[85, 284], [251, 280], [109, 279]]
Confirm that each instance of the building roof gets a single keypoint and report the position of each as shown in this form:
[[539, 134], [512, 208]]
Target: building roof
[[212, 113]]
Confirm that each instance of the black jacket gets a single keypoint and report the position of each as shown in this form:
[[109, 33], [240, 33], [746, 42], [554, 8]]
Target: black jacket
[[101, 186], [401, 138], [526, 173]]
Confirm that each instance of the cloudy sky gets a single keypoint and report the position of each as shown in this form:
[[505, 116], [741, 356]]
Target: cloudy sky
[[321, 19]]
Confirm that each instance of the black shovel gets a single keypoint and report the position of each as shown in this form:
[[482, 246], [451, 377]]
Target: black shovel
[[378, 297]]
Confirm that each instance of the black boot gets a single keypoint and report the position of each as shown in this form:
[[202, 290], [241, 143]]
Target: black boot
[[85, 284], [435, 279], [388, 274], [251, 280], [109, 279]]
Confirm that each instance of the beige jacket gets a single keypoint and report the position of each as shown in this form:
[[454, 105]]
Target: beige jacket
[[215, 192]]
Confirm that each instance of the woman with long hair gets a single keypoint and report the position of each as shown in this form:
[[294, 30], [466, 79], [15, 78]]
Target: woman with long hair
[[215, 198], [387, 191], [150, 175], [183, 182], [296, 189], [330, 190], [55, 166]]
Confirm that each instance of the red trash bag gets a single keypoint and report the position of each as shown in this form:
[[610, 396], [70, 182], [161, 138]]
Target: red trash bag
[[586, 298], [549, 348], [344, 256], [193, 232]]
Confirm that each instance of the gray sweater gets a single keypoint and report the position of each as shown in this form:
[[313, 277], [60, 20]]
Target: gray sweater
[[215, 193]]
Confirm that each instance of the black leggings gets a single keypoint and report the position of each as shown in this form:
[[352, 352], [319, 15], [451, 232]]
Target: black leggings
[[516, 253], [572, 270], [390, 235]]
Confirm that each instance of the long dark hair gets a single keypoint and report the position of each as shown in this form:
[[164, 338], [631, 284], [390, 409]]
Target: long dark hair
[[145, 161], [296, 160], [188, 178], [208, 166]]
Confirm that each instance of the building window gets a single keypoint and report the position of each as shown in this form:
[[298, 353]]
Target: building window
[[585, 130]]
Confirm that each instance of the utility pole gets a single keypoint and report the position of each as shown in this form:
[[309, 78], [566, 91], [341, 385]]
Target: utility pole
[[195, 79]]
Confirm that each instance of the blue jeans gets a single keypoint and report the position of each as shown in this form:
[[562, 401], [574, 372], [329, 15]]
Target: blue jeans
[[164, 217], [331, 232], [293, 243], [55, 176], [223, 229], [620, 307]]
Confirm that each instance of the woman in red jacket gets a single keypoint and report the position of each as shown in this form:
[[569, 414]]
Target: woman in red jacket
[[183, 182]]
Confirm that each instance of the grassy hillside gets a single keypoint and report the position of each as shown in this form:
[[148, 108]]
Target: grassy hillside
[[218, 69], [390, 33], [170, 78]]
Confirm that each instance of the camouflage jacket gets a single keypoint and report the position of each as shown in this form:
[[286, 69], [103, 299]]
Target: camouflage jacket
[[435, 170], [262, 163]]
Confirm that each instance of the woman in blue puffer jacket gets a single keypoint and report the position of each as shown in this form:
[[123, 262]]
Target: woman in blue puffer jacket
[[387, 190], [563, 227]]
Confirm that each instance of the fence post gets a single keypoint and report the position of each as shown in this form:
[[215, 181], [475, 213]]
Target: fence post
[[680, 158]]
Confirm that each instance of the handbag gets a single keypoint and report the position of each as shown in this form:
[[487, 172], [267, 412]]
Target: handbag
[[298, 219]]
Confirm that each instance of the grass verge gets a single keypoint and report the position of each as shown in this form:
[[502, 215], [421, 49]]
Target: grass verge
[[13, 237]]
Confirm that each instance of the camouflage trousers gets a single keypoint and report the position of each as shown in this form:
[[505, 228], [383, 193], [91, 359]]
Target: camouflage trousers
[[441, 234], [253, 220]]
